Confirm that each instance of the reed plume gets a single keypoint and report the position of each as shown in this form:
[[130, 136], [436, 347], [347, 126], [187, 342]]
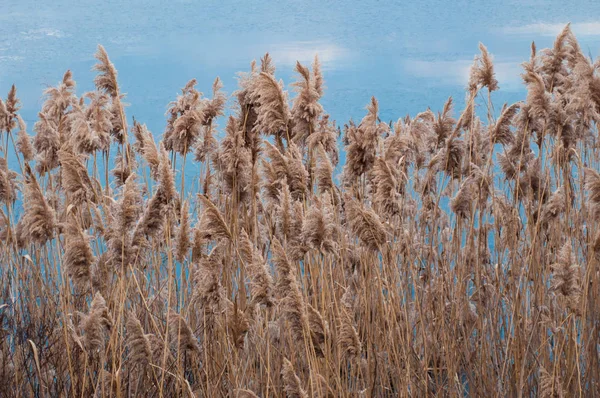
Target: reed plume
[[293, 385], [319, 230], [146, 147], [348, 340], [365, 224], [273, 112], [95, 324], [363, 142], [240, 393], [38, 222], [234, 158], [482, 72], [216, 105], [444, 122], [181, 335], [290, 295], [501, 133], [288, 166], [324, 172], [8, 183], [138, 343], [212, 222], [566, 276], [183, 235], [261, 281], [46, 144], [76, 181], [306, 108], [23, 143], [186, 116], [106, 81], [325, 135], [78, 257], [209, 293]]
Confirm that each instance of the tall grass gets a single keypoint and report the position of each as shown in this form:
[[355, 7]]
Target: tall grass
[[456, 256]]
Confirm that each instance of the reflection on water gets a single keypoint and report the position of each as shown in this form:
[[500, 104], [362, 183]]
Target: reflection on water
[[331, 55], [580, 29]]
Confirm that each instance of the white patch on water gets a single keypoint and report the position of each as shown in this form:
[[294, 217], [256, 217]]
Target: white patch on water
[[304, 51], [457, 72], [553, 29], [38, 34], [509, 75], [11, 58]]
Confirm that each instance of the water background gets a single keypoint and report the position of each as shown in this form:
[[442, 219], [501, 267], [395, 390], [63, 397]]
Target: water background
[[409, 55]]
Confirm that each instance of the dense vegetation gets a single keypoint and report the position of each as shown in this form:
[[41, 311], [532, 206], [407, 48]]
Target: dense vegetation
[[450, 257]]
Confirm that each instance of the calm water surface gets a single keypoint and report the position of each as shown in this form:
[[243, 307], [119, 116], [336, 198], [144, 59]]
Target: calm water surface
[[410, 55]]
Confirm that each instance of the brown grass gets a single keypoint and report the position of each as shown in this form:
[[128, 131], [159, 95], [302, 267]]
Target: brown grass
[[458, 256]]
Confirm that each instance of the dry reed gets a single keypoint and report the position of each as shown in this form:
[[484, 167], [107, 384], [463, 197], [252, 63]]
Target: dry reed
[[458, 256]]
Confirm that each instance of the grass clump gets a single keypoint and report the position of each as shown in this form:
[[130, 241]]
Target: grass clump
[[456, 256]]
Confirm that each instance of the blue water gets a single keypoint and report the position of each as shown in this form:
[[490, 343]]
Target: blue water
[[410, 55]]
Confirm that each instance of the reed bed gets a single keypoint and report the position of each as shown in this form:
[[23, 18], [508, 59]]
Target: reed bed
[[453, 255]]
